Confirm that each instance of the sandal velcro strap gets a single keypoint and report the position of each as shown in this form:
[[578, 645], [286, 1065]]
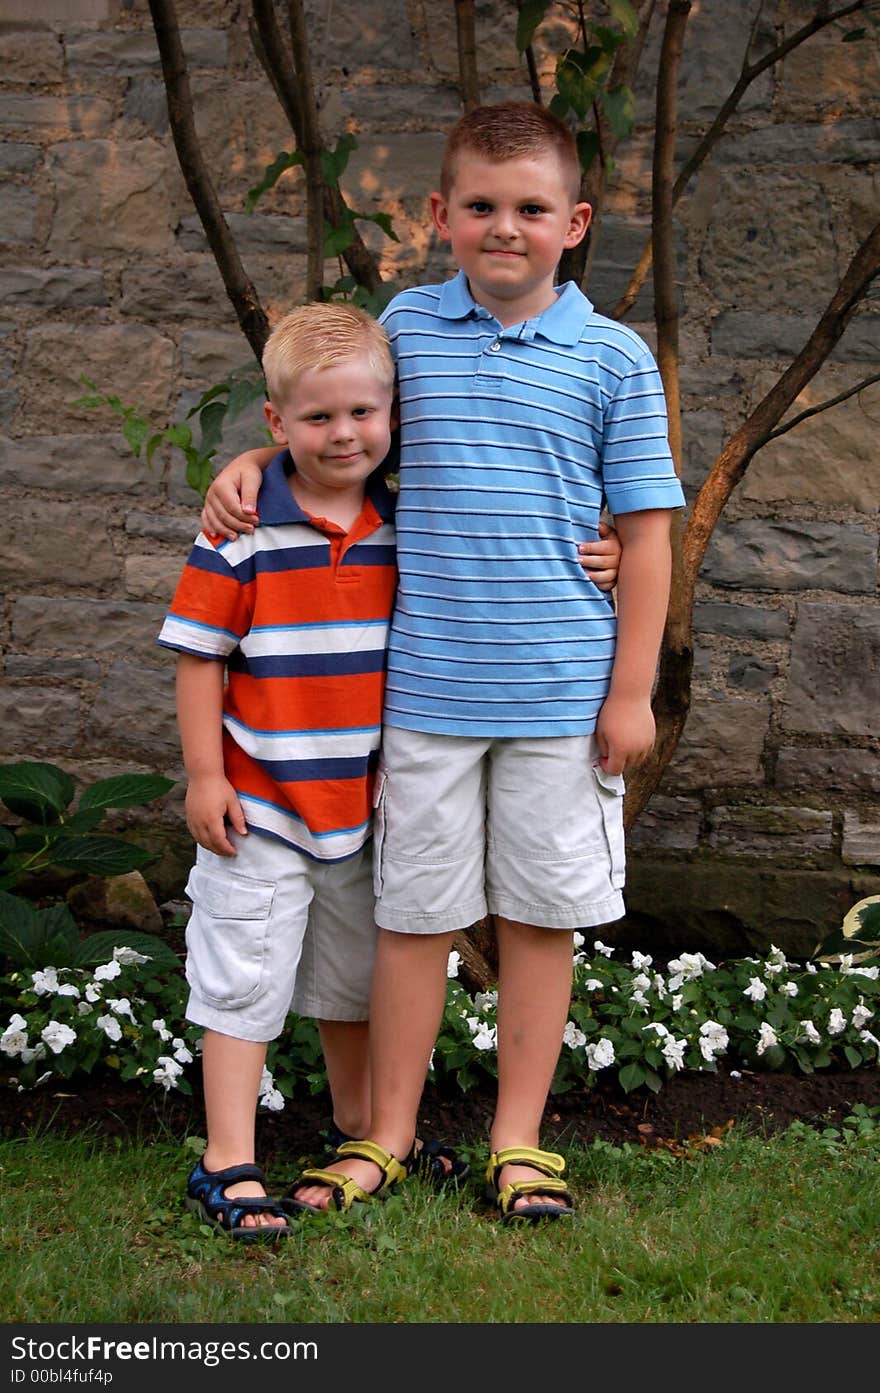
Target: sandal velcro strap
[[540, 1194], [392, 1170], [206, 1194], [344, 1191], [547, 1162]]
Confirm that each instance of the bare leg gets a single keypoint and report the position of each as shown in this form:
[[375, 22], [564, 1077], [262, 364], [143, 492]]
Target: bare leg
[[406, 1007], [346, 1046], [534, 992], [231, 1070]]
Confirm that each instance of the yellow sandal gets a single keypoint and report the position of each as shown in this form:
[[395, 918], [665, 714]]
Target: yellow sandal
[[344, 1191], [549, 1164]]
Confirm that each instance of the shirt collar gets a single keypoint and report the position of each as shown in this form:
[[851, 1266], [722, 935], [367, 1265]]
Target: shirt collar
[[277, 504], [562, 322]]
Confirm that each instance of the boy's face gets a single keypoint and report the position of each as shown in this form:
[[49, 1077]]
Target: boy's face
[[336, 424], [509, 222]]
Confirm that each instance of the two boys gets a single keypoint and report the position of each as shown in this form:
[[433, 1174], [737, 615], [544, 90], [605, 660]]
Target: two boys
[[515, 700]]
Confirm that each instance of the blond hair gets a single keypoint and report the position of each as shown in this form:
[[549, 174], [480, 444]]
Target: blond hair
[[316, 336], [510, 131]]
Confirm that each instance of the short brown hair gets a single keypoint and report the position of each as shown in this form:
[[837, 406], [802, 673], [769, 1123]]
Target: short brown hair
[[509, 131], [318, 335]]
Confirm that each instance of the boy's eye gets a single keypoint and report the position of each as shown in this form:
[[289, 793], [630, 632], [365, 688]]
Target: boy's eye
[[532, 209], [479, 206], [317, 417], [361, 411]]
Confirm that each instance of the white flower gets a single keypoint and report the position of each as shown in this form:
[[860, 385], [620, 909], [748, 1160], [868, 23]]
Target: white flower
[[756, 989], [872, 972], [603, 949], [713, 1039], [836, 1021], [84, 1008], [92, 992], [690, 965], [167, 1072], [673, 1052], [735, 1074], [656, 1025], [122, 1007], [181, 1053], [600, 1055], [776, 962], [809, 1032], [660, 985], [110, 1026], [767, 1037], [38, 1052], [641, 960], [159, 1027], [67, 989], [788, 988], [14, 1038], [593, 984], [45, 983], [486, 1001], [812, 969], [107, 971], [861, 1015], [273, 1101], [676, 1002], [642, 982], [869, 1039], [57, 1036], [486, 1037], [639, 999], [573, 1037], [578, 940], [128, 957], [452, 964]]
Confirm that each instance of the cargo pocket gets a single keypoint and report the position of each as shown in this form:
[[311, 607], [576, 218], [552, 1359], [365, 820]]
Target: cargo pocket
[[227, 936], [378, 831], [610, 789]]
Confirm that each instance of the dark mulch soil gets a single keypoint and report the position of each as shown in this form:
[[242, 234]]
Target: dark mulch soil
[[688, 1105]]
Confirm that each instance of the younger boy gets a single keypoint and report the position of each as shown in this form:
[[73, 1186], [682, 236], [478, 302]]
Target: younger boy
[[514, 699], [282, 639]]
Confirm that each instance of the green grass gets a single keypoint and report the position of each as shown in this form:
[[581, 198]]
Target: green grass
[[754, 1230]]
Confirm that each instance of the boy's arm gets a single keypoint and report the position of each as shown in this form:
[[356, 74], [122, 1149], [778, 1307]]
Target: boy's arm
[[231, 501], [625, 728], [210, 797]]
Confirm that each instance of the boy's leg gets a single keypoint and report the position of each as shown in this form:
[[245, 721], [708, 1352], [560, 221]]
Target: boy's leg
[[231, 1071], [346, 1049]]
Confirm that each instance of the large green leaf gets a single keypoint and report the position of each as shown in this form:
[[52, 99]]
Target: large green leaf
[[98, 947], [36, 938], [125, 791], [631, 1076], [37, 792], [100, 855], [531, 12]]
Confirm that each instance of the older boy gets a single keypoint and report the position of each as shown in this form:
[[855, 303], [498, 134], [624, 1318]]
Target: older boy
[[515, 701]]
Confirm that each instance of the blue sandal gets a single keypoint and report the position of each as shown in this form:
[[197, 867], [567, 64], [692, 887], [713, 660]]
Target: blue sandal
[[206, 1196]]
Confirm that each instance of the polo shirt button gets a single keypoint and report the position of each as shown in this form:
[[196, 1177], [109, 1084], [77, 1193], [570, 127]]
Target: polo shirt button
[[495, 346]]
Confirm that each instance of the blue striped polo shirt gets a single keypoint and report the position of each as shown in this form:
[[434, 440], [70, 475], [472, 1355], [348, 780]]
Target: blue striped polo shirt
[[512, 440]]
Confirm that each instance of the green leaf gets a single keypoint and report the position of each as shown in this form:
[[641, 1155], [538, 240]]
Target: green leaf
[[623, 12], [631, 1076], [619, 106], [60, 927], [853, 1056], [337, 239], [100, 855], [136, 429], [179, 435], [124, 791], [382, 220], [653, 1080], [37, 792], [7, 840], [155, 440], [272, 173], [98, 948], [334, 162], [243, 393], [531, 12], [587, 148]]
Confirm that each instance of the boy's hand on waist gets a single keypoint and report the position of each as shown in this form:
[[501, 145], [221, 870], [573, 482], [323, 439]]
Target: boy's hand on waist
[[211, 802], [625, 732]]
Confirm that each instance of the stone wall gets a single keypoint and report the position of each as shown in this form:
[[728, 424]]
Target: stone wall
[[767, 826]]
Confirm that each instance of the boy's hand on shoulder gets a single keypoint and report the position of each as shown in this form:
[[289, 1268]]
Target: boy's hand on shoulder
[[625, 733], [601, 560], [211, 801], [230, 505]]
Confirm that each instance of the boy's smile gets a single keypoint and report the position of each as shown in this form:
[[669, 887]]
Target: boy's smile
[[337, 426], [509, 222]]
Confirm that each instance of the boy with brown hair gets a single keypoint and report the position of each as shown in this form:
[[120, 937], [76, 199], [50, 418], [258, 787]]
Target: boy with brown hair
[[515, 698]]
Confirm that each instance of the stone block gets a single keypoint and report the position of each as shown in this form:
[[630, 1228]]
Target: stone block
[[59, 118], [123, 53], [750, 674], [744, 334], [255, 233], [18, 158], [835, 670], [211, 355], [825, 75], [850, 772], [26, 56], [721, 746], [703, 435], [43, 719], [87, 627], [188, 290], [134, 715], [146, 104], [110, 196], [712, 56], [129, 360], [51, 540], [788, 556], [55, 288], [809, 144], [75, 464], [178, 529], [784, 833], [17, 213], [152, 577], [861, 841], [56, 670], [56, 12], [667, 824], [740, 621]]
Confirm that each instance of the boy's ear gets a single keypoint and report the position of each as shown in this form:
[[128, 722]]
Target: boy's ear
[[440, 217], [581, 215], [275, 423]]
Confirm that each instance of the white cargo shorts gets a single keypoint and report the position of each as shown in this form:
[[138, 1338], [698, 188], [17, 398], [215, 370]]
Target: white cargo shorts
[[527, 828], [273, 931]]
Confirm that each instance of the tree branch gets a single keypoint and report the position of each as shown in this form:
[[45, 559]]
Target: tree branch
[[823, 406], [465, 33], [748, 74], [239, 287]]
